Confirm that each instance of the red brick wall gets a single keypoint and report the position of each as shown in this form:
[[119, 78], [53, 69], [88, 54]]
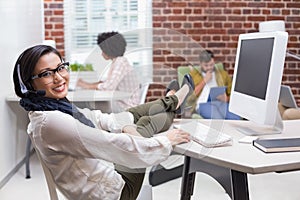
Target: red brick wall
[[183, 27], [215, 25], [54, 23]]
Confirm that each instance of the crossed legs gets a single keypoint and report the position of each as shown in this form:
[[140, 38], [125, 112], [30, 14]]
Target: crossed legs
[[156, 116], [150, 118]]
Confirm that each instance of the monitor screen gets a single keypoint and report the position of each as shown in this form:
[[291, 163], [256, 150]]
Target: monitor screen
[[254, 66], [257, 76]]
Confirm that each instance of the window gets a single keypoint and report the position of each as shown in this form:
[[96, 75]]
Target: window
[[85, 19]]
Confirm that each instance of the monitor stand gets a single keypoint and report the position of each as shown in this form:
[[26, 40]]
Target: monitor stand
[[256, 129]]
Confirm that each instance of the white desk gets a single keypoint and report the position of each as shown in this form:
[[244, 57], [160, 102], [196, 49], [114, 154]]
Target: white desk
[[96, 95], [95, 99], [230, 165]]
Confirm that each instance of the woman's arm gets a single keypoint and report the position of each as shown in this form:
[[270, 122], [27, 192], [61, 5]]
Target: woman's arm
[[62, 133], [112, 122], [86, 85]]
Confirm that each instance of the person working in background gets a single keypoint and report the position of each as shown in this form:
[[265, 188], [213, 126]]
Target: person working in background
[[121, 75], [205, 77]]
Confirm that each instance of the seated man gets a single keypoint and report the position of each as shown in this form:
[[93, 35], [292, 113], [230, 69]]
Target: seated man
[[205, 77]]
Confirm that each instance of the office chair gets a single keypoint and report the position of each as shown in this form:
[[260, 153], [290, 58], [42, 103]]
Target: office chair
[[49, 179], [162, 173], [143, 91], [145, 193]]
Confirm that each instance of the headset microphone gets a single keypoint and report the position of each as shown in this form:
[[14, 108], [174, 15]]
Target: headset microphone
[[24, 89]]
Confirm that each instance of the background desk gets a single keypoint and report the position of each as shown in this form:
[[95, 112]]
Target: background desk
[[93, 99], [230, 165]]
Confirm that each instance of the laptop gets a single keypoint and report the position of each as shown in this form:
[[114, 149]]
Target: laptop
[[286, 97], [216, 91]]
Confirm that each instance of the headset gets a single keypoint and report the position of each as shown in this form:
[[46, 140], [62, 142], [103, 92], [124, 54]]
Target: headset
[[24, 89]]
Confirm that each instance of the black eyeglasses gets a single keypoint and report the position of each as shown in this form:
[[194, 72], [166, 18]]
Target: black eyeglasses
[[62, 69]]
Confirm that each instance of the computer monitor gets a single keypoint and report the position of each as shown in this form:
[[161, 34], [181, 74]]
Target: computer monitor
[[257, 79]]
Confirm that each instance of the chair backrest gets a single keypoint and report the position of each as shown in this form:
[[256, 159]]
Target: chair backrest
[[143, 91], [47, 173], [182, 70]]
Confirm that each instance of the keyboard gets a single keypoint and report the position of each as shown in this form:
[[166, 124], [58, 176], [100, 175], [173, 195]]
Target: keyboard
[[205, 135]]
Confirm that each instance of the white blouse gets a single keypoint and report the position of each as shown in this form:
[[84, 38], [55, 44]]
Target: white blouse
[[80, 157]]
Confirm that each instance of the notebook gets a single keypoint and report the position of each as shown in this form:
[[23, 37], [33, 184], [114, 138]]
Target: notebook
[[278, 145], [286, 97], [205, 135], [215, 92]]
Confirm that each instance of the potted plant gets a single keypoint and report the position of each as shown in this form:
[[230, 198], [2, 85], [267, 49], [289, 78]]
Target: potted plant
[[83, 71], [75, 67]]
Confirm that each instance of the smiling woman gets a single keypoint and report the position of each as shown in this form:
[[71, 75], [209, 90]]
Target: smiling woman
[[78, 146], [52, 76], [47, 72]]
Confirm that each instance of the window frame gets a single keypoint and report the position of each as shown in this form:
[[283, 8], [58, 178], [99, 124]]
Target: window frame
[[138, 36]]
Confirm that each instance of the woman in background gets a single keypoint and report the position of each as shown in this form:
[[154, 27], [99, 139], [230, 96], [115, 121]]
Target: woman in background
[[121, 75]]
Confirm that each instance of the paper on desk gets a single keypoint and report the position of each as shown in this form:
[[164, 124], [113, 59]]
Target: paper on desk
[[205, 135]]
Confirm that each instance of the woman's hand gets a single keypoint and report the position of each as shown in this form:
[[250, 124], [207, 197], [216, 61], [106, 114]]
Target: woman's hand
[[177, 136], [86, 85], [131, 130]]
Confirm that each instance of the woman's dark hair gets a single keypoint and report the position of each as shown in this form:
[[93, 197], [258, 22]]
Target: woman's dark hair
[[112, 44], [26, 64], [206, 56]]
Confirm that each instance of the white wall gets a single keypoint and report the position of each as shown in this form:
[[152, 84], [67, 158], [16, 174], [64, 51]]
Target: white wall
[[21, 26]]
